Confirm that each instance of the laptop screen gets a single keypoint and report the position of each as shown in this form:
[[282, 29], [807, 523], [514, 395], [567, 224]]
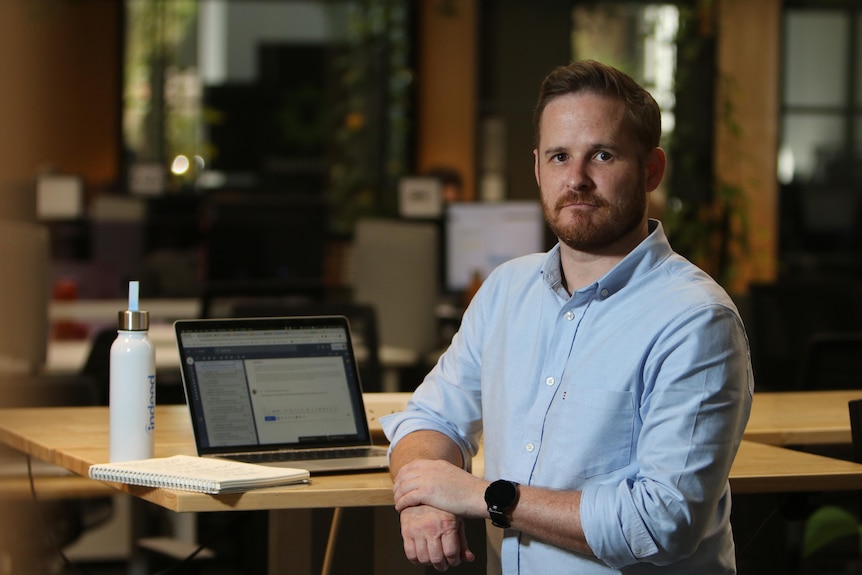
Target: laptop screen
[[268, 383]]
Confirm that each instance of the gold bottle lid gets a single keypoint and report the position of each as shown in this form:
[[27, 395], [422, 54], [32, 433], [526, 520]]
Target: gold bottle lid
[[128, 320]]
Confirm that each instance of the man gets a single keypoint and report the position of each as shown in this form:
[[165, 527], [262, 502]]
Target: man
[[610, 376]]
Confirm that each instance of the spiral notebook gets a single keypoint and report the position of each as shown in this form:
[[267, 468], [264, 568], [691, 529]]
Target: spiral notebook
[[190, 473]]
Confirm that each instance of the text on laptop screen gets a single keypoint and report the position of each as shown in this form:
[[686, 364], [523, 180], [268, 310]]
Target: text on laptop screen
[[271, 387]]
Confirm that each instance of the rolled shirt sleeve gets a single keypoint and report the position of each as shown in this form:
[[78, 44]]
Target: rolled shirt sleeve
[[694, 409]]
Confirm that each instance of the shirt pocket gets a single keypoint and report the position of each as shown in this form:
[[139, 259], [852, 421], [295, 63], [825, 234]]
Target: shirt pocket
[[592, 432]]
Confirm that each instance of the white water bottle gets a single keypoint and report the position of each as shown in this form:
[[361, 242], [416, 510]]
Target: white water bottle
[[133, 385]]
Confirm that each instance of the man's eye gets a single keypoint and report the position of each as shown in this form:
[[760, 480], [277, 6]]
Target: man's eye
[[602, 156], [560, 157]]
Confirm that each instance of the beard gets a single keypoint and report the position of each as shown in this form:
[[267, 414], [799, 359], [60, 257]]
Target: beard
[[597, 227]]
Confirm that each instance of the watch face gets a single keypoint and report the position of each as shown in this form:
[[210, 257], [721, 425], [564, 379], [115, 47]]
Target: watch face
[[501, 494]]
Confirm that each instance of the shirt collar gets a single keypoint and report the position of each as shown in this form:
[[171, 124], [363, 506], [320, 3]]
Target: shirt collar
[[654, 249]]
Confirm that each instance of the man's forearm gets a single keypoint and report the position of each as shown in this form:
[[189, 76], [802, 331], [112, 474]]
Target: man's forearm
[[553, 516], [424, 444]]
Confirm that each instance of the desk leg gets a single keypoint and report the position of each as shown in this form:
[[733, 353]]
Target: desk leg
[[391, 380], [138, 510], [290, 534]]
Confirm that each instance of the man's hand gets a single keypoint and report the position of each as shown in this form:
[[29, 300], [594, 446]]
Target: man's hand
[[434, 537], [441, 485], [433, 534]]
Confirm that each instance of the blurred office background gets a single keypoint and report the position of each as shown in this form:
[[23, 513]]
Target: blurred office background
[[277, 153]]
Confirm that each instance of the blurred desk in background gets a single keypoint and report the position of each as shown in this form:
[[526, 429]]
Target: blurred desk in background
[[104, 311], [801, 417], [68, 356]]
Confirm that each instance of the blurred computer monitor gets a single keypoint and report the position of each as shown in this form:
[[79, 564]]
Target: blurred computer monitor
[[479, 236]]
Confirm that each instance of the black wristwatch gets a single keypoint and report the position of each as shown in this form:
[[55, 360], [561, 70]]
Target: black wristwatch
[[501, 496]]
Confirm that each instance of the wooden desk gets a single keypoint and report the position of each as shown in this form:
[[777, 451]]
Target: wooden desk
[[76, 437], [762, 468], [51, 488], [801, 417]]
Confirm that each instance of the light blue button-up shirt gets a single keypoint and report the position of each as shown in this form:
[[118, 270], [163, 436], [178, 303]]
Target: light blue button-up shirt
[[635, 390]]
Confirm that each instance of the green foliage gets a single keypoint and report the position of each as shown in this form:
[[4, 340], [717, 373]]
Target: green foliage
[[370, 134], [161, 120], [712, 233], [827, 525]]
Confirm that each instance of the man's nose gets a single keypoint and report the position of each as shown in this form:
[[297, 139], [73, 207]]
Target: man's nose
[[578, 177]]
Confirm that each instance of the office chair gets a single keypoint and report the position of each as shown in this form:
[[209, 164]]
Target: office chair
[[263, 245], [97, 367], [785, 316], [832, 361], [855, 408], [393, 258]]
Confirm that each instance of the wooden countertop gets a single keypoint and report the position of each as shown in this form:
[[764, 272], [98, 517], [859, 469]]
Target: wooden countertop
[[76, 437], [801, 417]]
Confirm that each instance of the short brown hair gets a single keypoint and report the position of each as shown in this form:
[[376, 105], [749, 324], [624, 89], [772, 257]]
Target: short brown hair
[[642, 112]]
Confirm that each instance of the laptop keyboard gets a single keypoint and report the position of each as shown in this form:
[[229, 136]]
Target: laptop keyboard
[[305, 454]]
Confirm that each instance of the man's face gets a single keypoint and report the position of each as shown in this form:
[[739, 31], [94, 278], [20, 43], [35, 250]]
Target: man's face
[[592, 185]]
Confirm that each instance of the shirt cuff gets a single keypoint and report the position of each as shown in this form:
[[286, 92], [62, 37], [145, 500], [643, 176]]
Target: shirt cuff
[[612, 526], [396, 426]]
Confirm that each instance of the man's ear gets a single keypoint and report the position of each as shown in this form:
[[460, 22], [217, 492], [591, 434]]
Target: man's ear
[[655, 166], [536, 168]]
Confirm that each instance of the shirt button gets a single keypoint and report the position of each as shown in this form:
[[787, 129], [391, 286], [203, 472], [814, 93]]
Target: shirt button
[[530, 448], [570, 315], [605, 293], [550, 381]]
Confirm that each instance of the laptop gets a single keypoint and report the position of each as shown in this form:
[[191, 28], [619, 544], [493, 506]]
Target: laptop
[[280, 391]]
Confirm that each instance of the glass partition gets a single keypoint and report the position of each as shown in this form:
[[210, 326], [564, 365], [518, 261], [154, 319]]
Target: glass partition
[[279, 96], [820, 144]]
